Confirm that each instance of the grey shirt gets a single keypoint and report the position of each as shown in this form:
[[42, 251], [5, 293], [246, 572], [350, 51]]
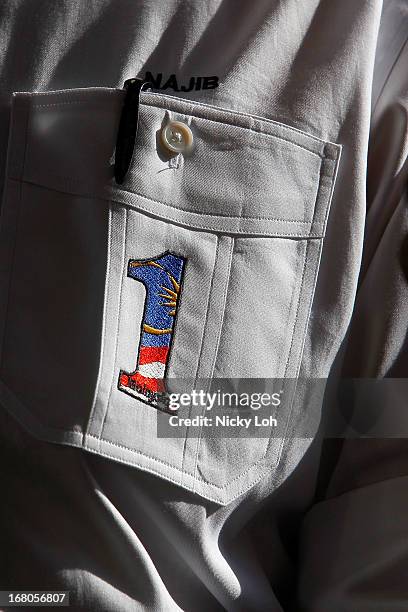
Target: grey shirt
[[271, 212]]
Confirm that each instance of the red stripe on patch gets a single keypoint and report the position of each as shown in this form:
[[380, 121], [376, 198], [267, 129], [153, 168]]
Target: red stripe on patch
[[149, 354]]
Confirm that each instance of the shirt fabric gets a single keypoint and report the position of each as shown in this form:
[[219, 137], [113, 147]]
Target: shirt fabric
[[100, 507]]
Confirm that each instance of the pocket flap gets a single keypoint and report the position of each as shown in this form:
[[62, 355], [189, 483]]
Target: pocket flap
[[245, 175]]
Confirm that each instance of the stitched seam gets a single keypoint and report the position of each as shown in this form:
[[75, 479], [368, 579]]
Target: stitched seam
[[135, 452], [84, 102], [241, 474], [207, 314], [88, 194], [330, 190], [218, 216], [79, 91], [318, 190], [193, 225], [211, 372], [287, 363], [120, 305], [303, 275], [103, 331], [317, 267], [118, 459], [149, 469], [280, 450], [297, 311], [223, 303], [187, 437]]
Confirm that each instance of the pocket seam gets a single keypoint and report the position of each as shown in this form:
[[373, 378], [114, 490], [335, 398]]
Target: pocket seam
[[91, 418], [172, 466], [215, 352], [187, 437], [281, 220], [196, 224], [118, 316]]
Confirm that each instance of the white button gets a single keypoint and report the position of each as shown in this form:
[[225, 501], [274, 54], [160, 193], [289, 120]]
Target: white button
[[177, 137]]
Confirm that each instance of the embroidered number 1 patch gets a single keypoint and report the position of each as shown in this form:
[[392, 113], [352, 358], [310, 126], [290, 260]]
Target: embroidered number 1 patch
[[162, 278]]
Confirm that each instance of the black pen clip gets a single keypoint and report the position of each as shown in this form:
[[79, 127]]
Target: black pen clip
[[128, 124]]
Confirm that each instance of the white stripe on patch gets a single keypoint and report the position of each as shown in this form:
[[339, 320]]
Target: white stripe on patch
[[155, 369]]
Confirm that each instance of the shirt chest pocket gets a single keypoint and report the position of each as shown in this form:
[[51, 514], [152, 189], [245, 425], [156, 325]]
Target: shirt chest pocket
[[197, 268]]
